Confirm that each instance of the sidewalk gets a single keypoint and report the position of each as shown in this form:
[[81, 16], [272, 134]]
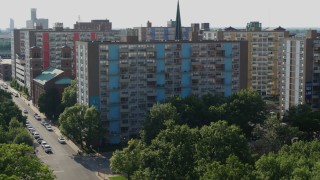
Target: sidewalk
[[55, 129]]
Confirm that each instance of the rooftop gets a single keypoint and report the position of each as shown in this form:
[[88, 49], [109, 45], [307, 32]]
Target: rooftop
[[47, 75], [63, 81]]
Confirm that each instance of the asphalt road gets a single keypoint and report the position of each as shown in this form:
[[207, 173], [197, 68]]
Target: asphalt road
[[64, 161]]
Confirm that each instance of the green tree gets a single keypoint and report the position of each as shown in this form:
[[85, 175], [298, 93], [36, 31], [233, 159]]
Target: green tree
[[72, 123], [14, 123], [158, 114], [218, 141], [272, 135], [232, 169], [3, 135], [69, 95], [18, 162], [304, 118], [23, 137], [298, 161], [9, 110], [129, 159], [245, 109], [92, 124], [171, 153], [49, 102]]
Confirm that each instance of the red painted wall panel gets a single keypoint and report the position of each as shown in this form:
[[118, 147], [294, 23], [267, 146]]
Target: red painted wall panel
[[46, 50], [93, 36]]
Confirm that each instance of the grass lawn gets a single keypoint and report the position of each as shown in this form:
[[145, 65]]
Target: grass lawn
[[117, 178]]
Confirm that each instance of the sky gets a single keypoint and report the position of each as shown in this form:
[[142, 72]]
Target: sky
[[135, 13]]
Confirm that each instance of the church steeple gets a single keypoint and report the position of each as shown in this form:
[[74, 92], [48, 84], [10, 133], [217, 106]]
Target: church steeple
[[178, 35]]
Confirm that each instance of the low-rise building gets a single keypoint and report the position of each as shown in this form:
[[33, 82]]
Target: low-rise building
[[5, 69], [49, 78]]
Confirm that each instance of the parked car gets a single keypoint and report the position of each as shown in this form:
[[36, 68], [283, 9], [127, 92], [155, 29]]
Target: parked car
[[37, 117], [39, 140], [43, 143], [35, 133], [25, 111], [36, 136], [49, 128], [61, 140], [43, 122], [47, 148]]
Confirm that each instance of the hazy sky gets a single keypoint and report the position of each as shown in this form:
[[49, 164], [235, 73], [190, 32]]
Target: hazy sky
[[134, 13]]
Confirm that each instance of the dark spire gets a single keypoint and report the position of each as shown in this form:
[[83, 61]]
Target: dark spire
[[178, 35]]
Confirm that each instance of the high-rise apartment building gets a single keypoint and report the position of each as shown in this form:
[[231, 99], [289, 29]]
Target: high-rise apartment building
[[292, 76], [264, 54], [300, 72], [124, 80]]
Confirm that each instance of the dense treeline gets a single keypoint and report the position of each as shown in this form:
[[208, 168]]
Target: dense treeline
[[17, 160], [222, 138]]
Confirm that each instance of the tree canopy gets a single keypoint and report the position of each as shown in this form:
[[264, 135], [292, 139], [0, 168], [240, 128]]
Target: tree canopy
[[69, 95], [81, 123], [18, 162], [180, 152], [49, 102], [158, 114]]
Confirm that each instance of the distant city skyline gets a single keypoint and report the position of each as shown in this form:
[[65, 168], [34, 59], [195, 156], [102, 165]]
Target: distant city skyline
[[127, 14]]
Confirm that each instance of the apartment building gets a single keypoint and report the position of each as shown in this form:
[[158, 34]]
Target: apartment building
[[292, 79], [97, 25], [264, 54], [51, 42], [300, 72], [124, 80], [150, 33]]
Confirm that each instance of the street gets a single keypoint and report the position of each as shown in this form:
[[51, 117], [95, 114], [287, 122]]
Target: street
[[64, 161]]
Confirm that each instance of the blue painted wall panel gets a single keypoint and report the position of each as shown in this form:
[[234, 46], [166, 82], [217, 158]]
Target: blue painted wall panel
[[113, 83], [186, 80], [160, 51], [228, 66], [166, 33], [94, 101], [153, 33], [185, 92], [113, 51], [160, 95], [114, 97]]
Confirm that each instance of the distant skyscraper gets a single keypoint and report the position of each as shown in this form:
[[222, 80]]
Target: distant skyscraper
[[11, 24], [178, 35], [33, 14], [34, 22]]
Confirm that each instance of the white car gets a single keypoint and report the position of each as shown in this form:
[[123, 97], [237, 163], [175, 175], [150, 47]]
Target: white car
[[61, 140], [37, 117], [25, 111], [47, 148], [49, 128], [43, 143]]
